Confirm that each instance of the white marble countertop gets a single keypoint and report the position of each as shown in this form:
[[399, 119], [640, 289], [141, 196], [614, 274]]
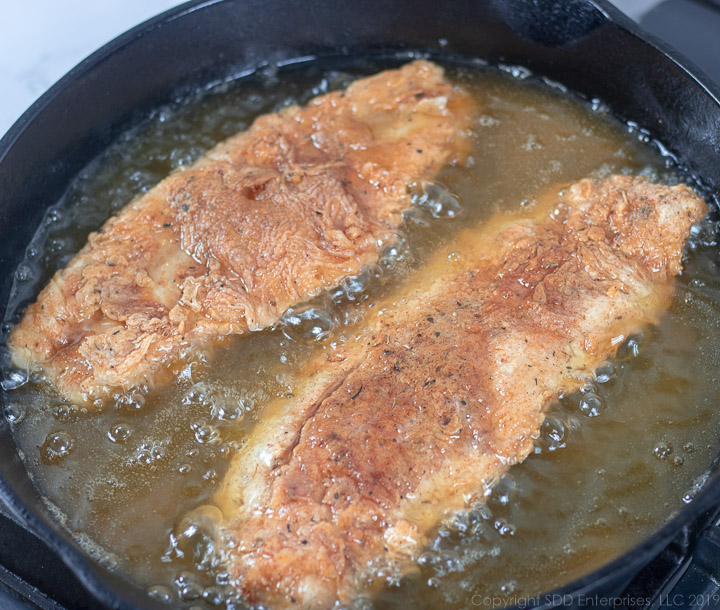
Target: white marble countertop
[[41, 40]]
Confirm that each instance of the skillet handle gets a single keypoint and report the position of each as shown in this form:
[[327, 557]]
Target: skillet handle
[[699, 586]]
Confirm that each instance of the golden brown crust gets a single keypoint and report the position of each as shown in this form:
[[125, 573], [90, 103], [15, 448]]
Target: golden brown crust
[[267, 219], [445, 389]]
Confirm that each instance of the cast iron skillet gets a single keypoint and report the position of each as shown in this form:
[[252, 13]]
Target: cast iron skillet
[[585, 44]]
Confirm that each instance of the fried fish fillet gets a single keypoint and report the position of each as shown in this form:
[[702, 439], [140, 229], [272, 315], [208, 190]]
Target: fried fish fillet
[[265, 220], [444, 390]]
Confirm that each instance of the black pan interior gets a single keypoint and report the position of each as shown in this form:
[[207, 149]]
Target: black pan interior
[[587, 46]]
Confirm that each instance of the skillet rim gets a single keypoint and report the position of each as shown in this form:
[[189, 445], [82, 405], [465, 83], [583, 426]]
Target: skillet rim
[[94, 577]]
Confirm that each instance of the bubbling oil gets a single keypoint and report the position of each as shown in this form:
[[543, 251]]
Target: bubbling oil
[[134, 481]]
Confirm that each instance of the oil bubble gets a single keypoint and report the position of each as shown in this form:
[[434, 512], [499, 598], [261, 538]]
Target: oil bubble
[[198, 393], [605, 372], [435, 199], [213, 595], [354, 288], [185, 469], [307, 325], [703, 234], [149, 452], [24, 273], [108, 561], [144, 457], [224, 412], [160, 593], [591, 405], [119, 433], [394, 255], [59, 246], [14, 380], [503, 491], [663, 450], [131, 403], [228, 448], [14, 413], [553, 434], [194, 536], [179, 158], [487, 120], [184, 577], [205, 433], [630, 349], [509, 587], [222, 407], [697, 485], [187, 587], [65, 412], [53, 216], [416, 217], [532, 143], [597, 105], [519, 72], [57, 446], [222, 578], [504, 528]]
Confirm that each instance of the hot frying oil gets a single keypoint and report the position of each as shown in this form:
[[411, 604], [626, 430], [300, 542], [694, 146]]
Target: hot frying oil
[[613, 462]]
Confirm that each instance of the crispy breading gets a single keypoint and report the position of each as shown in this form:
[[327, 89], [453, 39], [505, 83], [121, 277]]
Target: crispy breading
[[444, 390], [265, 220]]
